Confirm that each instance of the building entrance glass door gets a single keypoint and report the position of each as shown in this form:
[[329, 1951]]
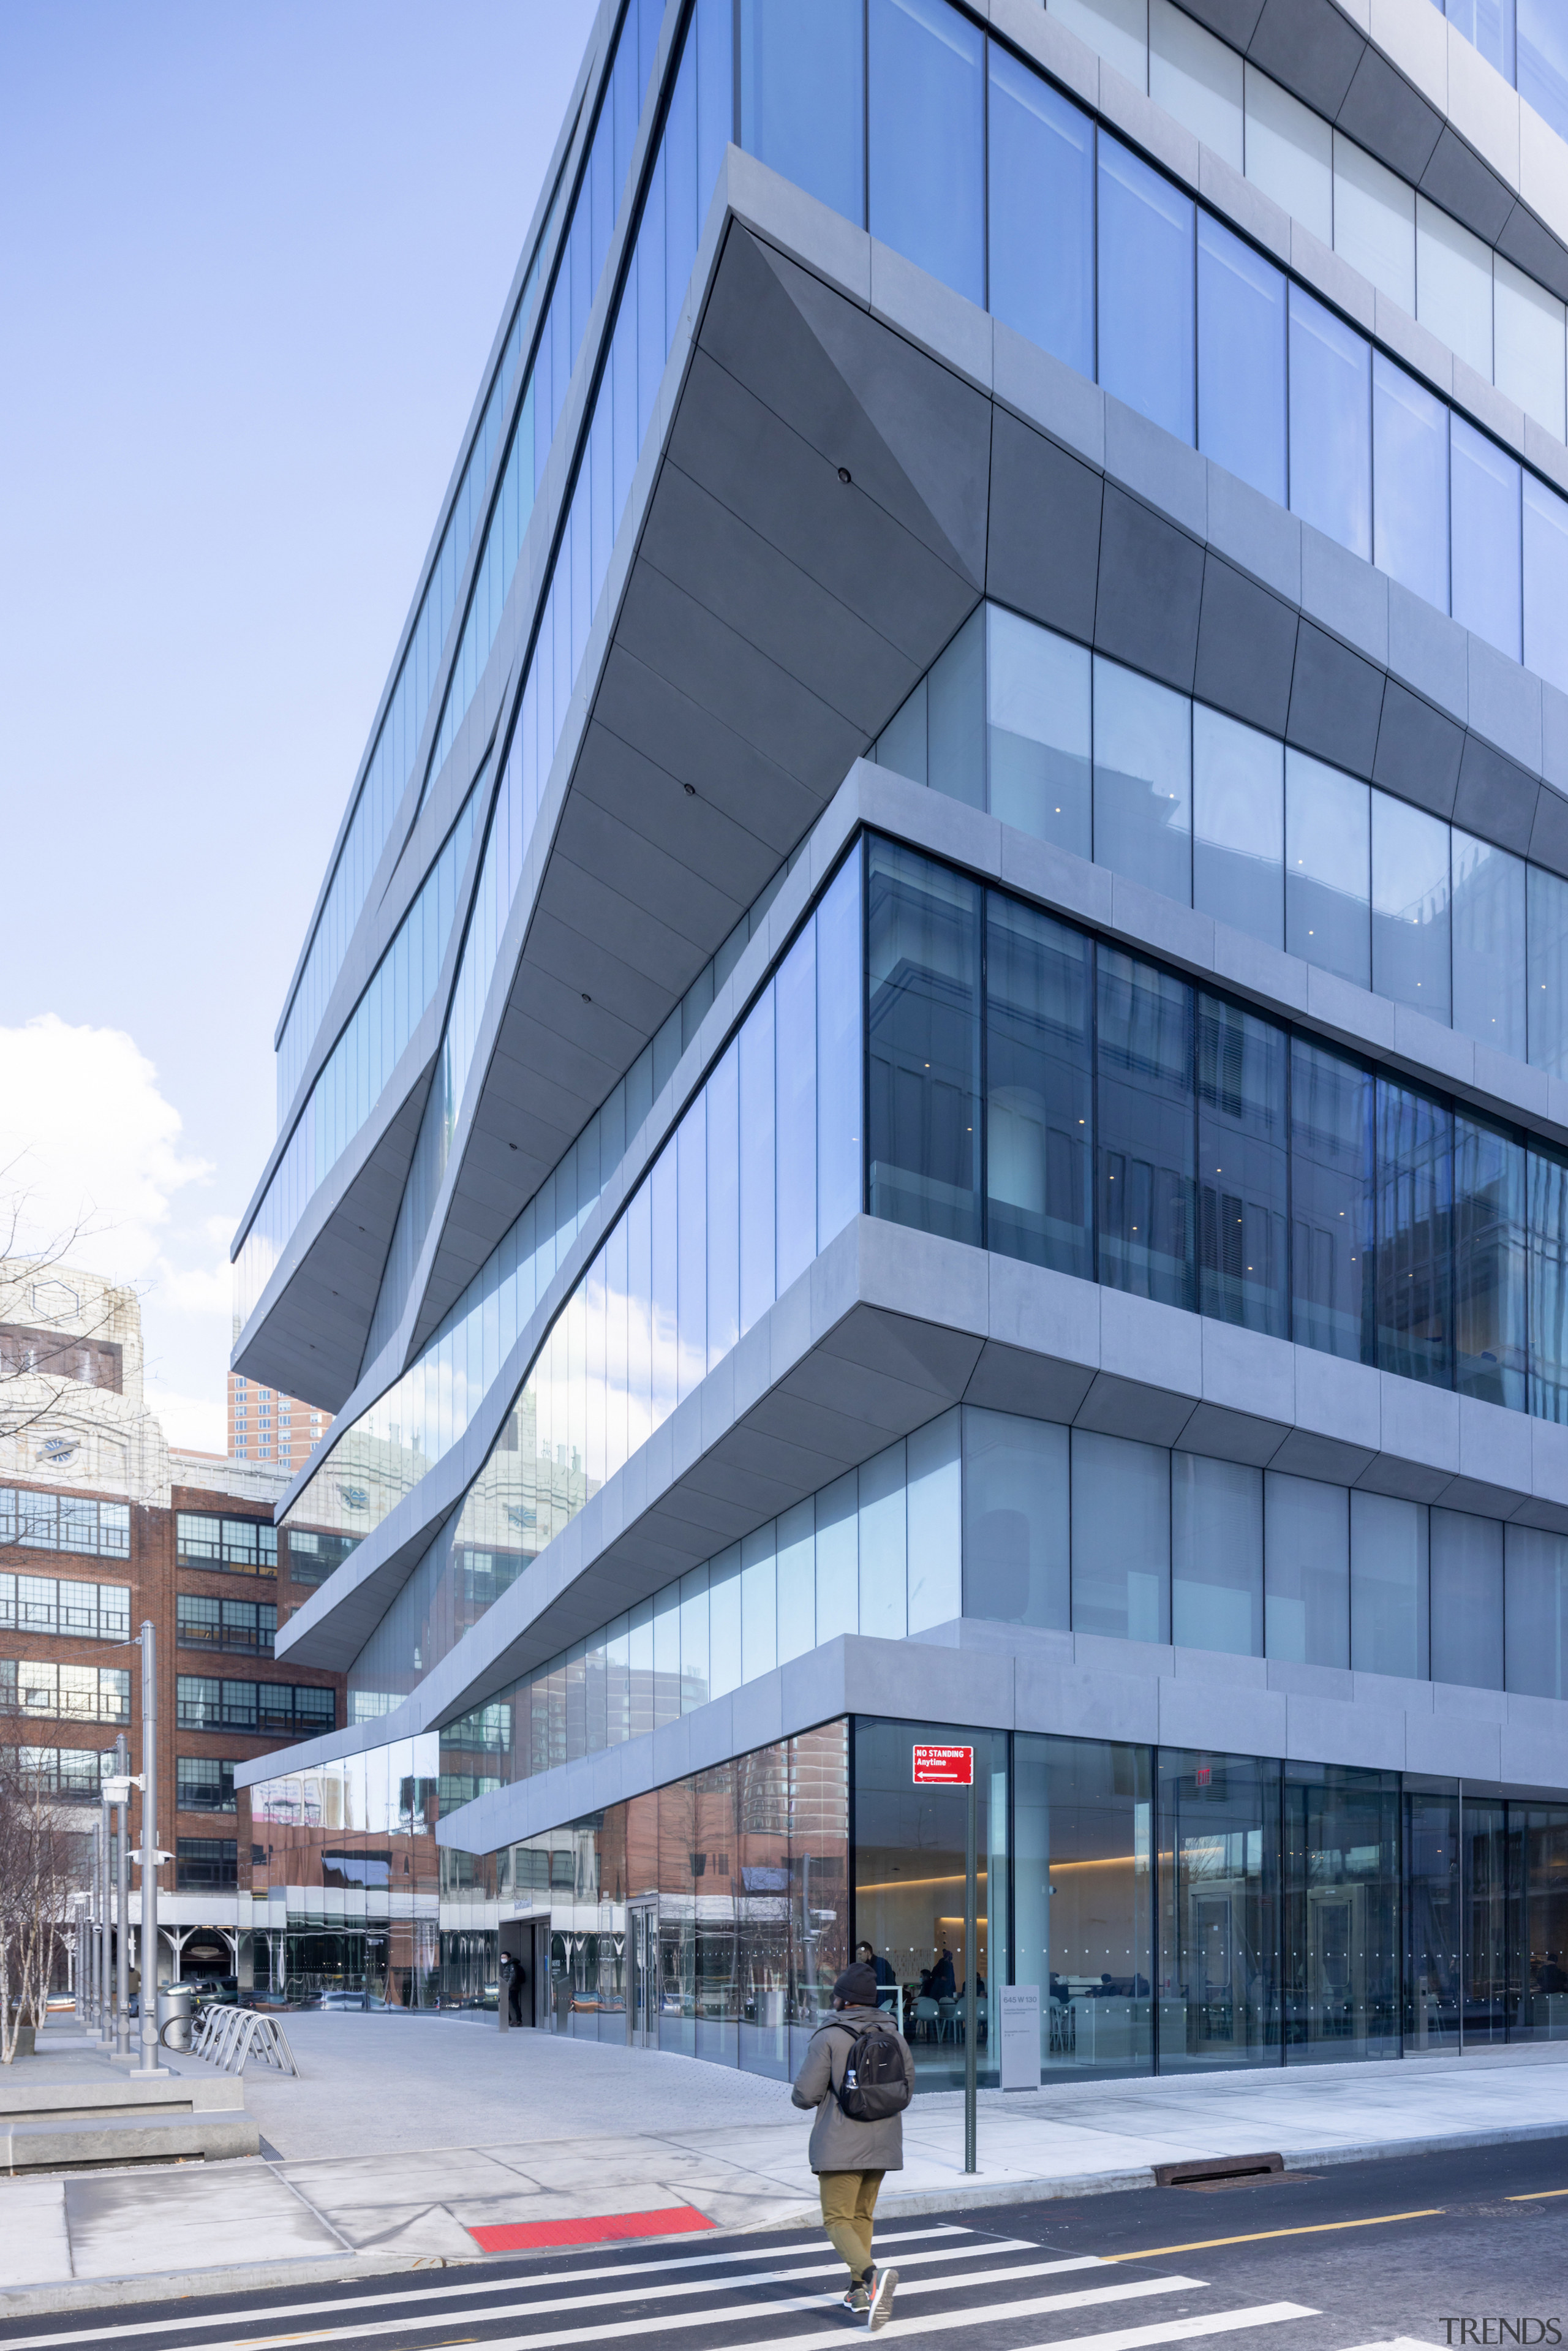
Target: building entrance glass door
[[643, 1974]]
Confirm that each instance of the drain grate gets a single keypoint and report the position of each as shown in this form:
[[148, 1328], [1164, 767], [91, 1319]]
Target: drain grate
[[1218, 2166]]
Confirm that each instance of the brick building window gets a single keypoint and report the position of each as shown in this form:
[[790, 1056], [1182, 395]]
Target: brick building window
[[249, 1546], [206, 1864], [203, 1784]]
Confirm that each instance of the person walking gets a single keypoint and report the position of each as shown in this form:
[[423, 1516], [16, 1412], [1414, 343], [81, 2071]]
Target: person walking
[[858, 2075], [883, 1971]]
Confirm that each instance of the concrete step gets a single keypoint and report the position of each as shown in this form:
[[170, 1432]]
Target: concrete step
[[102, 2092], [69, 2142]]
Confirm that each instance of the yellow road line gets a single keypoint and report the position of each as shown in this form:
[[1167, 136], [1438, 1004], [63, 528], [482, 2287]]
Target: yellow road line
[[1535, 2195], [1255, 2236]]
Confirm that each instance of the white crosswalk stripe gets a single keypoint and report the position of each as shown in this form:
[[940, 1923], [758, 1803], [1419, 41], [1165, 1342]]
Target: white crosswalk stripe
[[338, 2306]]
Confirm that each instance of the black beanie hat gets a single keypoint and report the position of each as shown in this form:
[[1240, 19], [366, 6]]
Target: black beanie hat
[[857, 1986]]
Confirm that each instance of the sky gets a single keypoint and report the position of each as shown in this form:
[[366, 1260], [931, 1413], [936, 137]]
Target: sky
[[252, 260]]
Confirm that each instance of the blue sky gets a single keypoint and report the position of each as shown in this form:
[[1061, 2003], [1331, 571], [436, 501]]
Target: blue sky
[[251, 262]]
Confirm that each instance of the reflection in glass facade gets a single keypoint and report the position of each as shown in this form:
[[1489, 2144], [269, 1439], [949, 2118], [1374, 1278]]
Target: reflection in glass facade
[[1180, 1910], [1238, 1170], [1078, 750]]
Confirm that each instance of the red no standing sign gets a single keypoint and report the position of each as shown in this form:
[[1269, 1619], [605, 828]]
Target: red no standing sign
[[944, 1767]]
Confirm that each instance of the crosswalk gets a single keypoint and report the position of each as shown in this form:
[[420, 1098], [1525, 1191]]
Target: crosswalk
[[780, 2293]]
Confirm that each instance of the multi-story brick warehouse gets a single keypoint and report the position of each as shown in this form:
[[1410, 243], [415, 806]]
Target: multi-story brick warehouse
[[103, 1527], [927, 1099]]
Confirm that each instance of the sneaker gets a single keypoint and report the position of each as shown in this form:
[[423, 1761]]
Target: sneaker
[[857, 2302], [883, 2291]]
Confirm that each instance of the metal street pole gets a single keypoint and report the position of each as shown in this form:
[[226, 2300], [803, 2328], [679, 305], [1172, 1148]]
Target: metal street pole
[[105, 1848], [122, 1908], [971, 1956], [93, 2017], [149, 1995]]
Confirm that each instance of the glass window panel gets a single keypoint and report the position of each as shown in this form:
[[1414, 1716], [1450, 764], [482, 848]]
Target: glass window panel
[[667, 1655], [1331, 1201], [1410, 925], [1413, 1276], [1306, 1551], [927, 98], [900, 745], [1490, 986], [1240, 358], [1217, 1555], [924, 932], [1197, 78], [1545, 581], [695, 1660], [1491, 1266], [1040, 1053], [1547, 1179], [1238, 825], [1146, 282], [1542, 64], [1042, 213], [1536, 1612], [837, 1557], [724, 1207], [1144, 1137], [1410, 478], [1330, 424], [725, 1658], [1546, 1021], [1467, 1600], [840, 1064], [759, 1601], [1341, 1939], [1017, 1559], [935, 1523], [1528, 337], [1328, 868], [795, 997], [1082, 1914], [1121, 1537], [1142, 780], [1486, 561], [1038, 731], [797, 1582], [756, 1161], [617, 1684], [1374, 221], [883, 1554], [1389, 1590], [1243, 1227], [1218, 1935], [665, 1286], [1453, 286], [956, 703], [691, 1268], [1289, 155]]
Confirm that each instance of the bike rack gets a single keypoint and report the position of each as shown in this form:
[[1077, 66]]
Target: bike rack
[[229, 2037]]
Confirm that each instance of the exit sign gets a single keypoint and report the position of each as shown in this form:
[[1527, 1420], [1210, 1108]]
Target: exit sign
[[944, 1767]]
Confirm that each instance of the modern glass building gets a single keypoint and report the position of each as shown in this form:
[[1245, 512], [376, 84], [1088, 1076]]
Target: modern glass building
[[928, 1093]]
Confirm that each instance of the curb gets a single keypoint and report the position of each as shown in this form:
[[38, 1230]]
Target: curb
[[349, 2268]]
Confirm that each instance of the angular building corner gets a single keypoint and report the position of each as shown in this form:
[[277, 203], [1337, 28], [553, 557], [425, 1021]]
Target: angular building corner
[[928, 1093]]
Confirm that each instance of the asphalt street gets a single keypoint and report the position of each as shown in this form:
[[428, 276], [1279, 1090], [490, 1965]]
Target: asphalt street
[[1437, 2249]]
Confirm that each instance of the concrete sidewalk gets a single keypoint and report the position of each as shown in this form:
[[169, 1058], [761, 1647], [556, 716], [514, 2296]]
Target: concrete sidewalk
[[405, 2136]]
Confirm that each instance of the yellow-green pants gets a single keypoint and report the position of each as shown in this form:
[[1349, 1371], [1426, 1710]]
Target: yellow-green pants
[[849, 2200]]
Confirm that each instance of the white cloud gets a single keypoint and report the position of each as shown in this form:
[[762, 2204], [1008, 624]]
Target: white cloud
[[90, 1144], [203, 1289]]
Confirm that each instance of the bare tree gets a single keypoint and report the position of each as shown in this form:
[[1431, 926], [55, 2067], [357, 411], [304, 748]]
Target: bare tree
[[37, 1882], [41, 1364]]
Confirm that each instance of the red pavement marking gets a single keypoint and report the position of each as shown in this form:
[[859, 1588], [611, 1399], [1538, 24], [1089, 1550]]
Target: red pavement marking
[[516, 2236]]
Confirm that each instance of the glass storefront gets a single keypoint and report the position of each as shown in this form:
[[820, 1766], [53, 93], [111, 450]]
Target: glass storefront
[[1179, 1908]]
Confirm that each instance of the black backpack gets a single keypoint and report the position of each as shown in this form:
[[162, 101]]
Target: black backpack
[[873, 2084]]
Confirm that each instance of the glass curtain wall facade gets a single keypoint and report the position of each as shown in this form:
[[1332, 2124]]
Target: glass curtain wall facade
[[1180, 1910], [1096, 758], [1037, 1093]]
